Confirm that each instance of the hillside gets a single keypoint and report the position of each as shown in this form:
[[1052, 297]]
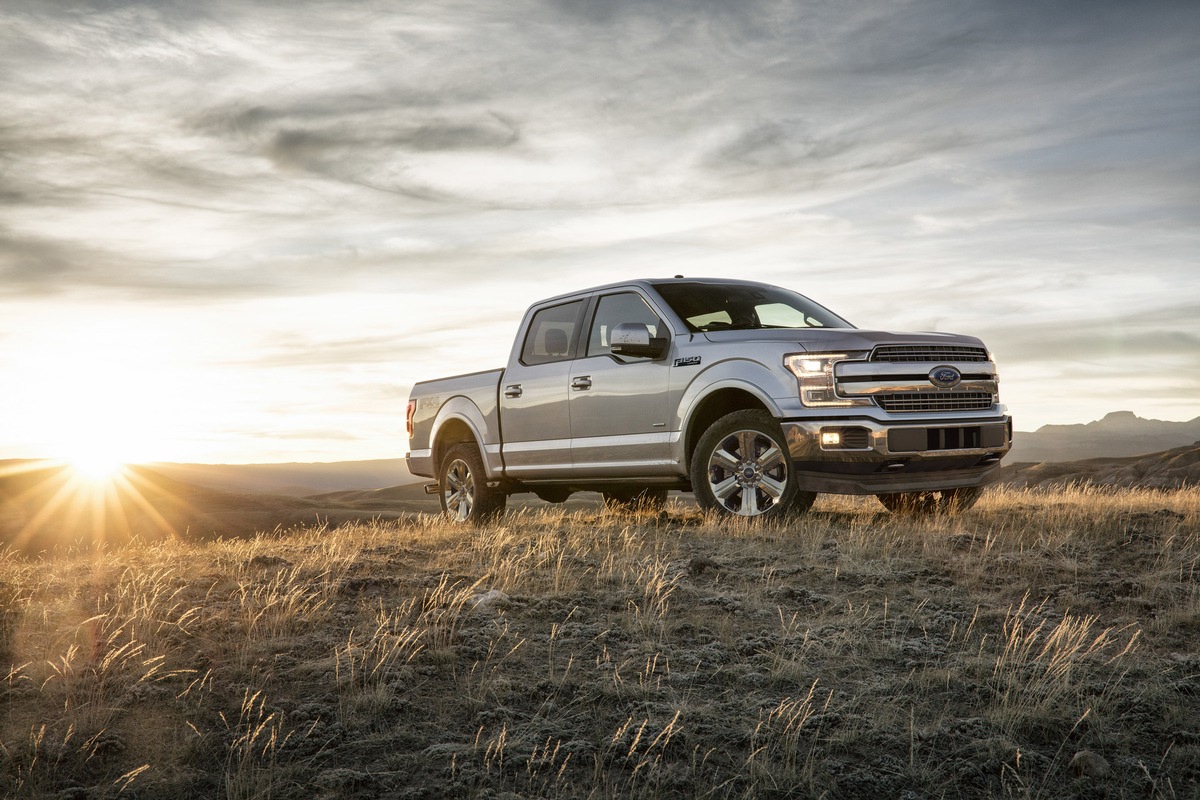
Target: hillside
[[1119, 434], [43, 505], [1044, 645], [297, 479], [1172, 469]]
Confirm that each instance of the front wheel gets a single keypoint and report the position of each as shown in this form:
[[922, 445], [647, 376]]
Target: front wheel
[[465, 495], [943, 501], [741, 467]]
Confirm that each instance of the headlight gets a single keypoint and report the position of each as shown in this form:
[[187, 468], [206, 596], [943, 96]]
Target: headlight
[[814, 371]]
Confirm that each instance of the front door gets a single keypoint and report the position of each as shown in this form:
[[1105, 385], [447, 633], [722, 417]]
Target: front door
[[619, 405]]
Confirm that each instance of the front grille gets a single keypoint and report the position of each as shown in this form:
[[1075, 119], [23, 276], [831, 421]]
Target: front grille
[[935, 401], [928, 352]]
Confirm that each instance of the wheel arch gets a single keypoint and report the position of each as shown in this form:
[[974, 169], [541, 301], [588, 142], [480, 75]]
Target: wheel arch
[[457, 422], [720, 400]]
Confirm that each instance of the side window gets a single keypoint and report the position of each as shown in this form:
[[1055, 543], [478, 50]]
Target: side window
[[612, 310], [550, 334]]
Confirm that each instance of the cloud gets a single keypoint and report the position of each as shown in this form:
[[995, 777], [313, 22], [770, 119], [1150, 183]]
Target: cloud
[[1130, 338], [32, 265], [1025, 172]]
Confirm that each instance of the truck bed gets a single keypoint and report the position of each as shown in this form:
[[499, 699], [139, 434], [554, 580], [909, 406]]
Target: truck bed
[[473, 396]]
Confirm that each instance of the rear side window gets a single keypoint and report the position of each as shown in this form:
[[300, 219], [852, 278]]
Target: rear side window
[[551, 334]]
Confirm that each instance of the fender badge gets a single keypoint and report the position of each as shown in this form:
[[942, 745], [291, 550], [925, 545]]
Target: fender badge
[[690, 361]]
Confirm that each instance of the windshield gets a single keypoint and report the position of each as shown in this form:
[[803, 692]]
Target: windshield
[[740, 307]]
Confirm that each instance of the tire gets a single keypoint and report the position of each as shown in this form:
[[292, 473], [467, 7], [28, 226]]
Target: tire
[[741, 468], [465, 495], [943, 501], [635, 499]]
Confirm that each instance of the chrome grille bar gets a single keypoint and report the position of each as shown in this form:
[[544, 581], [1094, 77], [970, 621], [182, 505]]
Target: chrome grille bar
[[928, 352], [935, 401]]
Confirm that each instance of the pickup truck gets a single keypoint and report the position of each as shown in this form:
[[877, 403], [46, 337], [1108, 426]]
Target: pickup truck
[[752, 397]]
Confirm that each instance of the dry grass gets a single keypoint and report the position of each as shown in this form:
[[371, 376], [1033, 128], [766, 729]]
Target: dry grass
[[848, 654]]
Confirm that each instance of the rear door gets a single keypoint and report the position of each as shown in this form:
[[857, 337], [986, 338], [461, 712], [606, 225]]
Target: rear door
[[534, 409], [619, 405]]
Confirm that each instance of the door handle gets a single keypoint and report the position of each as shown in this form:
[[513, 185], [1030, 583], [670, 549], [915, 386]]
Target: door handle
[[581, 383], [513, 390]]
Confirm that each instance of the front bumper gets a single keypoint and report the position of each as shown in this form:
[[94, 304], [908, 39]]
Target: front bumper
[[876, 458]]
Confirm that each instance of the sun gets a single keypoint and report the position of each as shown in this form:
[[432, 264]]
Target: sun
[[96, 467], [97, 399], [98, 439]]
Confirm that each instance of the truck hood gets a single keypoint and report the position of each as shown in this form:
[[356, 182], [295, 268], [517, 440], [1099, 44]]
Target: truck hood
[[816, 340]]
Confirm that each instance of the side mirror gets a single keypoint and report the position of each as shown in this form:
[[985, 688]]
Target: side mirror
[[633, 339]]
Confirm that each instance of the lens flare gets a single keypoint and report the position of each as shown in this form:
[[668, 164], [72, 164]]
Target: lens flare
[[96, 467]]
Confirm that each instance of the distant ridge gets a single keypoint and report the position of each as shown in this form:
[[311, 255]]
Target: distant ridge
[[44, 505], [1177, 468], [294, 479], [1118, 435]]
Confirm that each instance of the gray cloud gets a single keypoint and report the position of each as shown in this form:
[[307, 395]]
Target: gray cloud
[[1132, 336], [31, 265], [1013, 162]]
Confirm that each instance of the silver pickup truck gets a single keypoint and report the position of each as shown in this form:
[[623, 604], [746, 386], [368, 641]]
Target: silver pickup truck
[[752, 397]]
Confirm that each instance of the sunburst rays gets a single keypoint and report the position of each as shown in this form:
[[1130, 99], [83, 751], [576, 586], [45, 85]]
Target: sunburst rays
[[47, 504]]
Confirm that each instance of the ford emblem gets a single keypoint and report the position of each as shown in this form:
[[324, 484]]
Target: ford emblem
[[945, 377]]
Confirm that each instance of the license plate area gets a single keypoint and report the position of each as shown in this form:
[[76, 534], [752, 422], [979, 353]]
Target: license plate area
[[949, 437]]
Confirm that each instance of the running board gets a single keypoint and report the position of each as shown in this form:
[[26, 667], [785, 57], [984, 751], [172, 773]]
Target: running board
[[431, 488]]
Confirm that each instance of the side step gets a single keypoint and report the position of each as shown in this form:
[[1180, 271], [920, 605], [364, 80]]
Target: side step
[[432, 488]]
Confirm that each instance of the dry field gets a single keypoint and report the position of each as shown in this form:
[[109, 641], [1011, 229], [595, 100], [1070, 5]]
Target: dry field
[[1043, 645]]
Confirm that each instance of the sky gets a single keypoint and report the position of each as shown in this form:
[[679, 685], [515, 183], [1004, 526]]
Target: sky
[[236, 232]]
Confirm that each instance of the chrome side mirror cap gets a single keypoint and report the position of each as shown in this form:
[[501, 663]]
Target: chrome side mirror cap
[[634, 339]]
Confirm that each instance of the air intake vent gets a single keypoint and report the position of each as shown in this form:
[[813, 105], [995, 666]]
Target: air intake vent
[[936, 401], [856, 438], [930, 352]]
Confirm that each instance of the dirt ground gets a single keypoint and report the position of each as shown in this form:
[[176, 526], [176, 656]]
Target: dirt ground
[[1041, 645]]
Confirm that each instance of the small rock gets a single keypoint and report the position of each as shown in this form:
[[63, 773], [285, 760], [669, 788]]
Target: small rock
[[269, 562], [107, 744], [1087, 764], [489, 600]]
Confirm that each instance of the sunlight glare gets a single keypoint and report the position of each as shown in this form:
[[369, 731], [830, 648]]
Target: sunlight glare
[[99, 400], [96, 467]]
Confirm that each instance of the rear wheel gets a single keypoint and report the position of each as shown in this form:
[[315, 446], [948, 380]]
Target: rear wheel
[[741, 467], [635, 499], [465, 495], [942, 501]]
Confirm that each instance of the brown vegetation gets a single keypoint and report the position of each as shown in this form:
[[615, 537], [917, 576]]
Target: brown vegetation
[[1042, 645]]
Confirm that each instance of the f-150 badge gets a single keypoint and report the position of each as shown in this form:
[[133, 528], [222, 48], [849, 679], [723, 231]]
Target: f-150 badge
[[690, 361]]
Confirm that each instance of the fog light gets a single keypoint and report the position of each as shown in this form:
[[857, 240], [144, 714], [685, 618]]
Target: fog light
[[831, 438]]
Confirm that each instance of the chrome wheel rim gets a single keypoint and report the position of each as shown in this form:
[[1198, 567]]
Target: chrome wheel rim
[[747, 473], [459, 491]]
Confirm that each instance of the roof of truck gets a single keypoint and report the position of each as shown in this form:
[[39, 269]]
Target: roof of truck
[[648, 283]]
